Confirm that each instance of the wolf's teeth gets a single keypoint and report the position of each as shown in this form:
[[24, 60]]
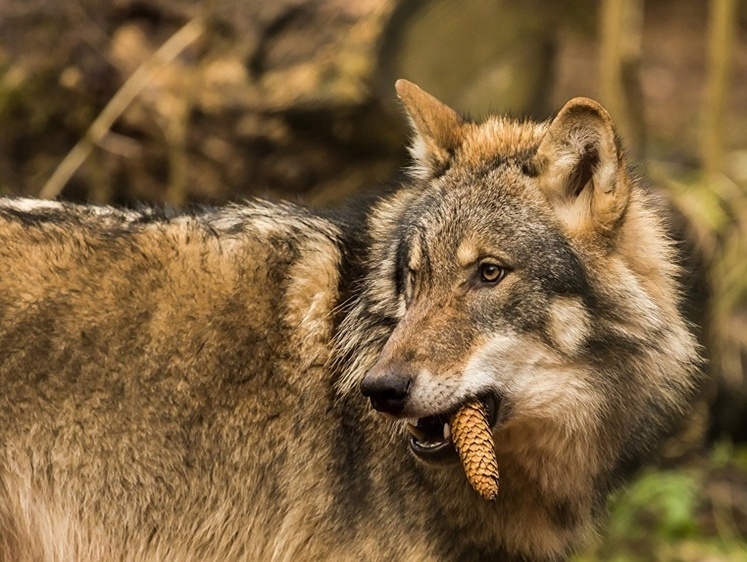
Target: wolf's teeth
[[447, 432], [415, 431]]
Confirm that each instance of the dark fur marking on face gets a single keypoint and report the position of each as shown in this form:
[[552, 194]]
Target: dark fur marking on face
[[402, 260], [614, 348], [559, 270]]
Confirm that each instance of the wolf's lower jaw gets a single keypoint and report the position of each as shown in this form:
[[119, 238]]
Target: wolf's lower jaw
[[430, 438]]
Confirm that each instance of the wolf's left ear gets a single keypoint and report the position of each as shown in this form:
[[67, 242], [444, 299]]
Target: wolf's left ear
[[581, 169], [437, 127]]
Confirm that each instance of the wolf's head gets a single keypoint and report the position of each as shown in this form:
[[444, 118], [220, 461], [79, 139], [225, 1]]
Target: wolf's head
[[524, 267]]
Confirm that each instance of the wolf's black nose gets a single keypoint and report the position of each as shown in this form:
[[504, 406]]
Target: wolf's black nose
[[387, 391]]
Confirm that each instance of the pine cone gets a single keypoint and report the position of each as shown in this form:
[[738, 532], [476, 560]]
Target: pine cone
[[473, 440]]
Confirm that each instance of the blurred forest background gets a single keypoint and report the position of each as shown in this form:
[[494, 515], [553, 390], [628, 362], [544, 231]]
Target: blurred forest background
[[183, 102]]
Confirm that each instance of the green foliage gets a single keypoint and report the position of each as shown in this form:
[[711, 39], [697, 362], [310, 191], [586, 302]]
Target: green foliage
[[660, 505], [696, 513]]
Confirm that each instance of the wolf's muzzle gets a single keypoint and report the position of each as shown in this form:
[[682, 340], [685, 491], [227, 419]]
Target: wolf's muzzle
[[388, 391]]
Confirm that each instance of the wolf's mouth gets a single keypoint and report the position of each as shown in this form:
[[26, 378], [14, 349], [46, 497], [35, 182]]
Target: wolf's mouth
[[430, 437]]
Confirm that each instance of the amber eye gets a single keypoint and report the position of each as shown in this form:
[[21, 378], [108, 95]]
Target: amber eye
[[491, 273]]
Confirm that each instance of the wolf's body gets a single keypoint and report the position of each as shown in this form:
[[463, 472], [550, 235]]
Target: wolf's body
[[187, 387]]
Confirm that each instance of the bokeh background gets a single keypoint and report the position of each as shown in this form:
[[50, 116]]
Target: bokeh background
[[176, 102]]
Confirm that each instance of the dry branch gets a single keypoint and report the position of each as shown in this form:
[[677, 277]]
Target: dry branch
[[119, 102]]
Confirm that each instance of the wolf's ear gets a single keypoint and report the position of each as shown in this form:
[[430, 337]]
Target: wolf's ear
[[581, 169], [437, 130]]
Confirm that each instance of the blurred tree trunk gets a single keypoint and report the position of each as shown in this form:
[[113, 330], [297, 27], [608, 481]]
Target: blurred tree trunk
[[727, 269], [722, 25], [480, 56], [621, 23]]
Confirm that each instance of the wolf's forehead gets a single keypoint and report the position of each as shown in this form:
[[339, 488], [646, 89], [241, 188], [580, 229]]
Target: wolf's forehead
[[465, 226], [485, 200], [493, 214], [500, 137]]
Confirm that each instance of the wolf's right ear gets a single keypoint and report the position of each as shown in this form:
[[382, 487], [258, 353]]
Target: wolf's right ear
[[581, 168], [437, 127]]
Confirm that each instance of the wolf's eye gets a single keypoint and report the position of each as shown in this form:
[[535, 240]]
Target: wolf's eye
[[491, 273]]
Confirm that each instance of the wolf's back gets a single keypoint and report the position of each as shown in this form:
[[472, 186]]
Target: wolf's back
[[152, 368]]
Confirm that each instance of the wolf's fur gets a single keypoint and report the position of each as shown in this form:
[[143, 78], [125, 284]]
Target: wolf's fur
[[186, 387]]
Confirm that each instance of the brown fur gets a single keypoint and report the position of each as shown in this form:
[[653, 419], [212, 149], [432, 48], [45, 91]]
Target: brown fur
[[186, 387]]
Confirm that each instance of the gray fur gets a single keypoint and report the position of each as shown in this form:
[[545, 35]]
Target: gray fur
[[185, 386]]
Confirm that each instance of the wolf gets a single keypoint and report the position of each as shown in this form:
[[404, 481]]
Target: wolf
[[264, 381]]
